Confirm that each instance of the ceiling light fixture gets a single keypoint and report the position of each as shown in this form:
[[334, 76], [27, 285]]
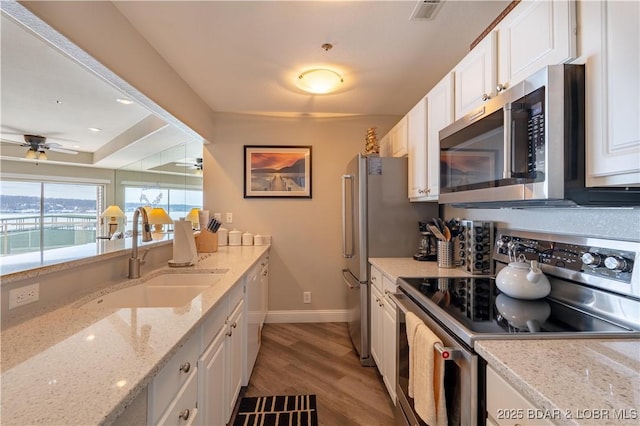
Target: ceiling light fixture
[[124, 101], [42, 156], [31, 154], [95, 129], [319, 81]]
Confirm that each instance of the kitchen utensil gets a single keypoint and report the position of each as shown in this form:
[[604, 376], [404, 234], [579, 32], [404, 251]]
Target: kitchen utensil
[[437, 233], [447, 233], [523, 281], [436, 222], [217, 226]]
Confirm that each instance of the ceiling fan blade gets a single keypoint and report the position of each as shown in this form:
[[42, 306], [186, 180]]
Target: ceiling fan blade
[[21, 143], [62, 150]]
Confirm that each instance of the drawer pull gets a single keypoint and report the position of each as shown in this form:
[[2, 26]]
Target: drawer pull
[[185, 367], [234, 325], [184, 414]]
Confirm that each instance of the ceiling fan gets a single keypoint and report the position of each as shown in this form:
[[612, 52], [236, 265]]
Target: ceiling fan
[[38, 145], [196, 165]]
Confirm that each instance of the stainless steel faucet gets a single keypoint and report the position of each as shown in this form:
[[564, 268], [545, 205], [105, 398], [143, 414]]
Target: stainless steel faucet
[[134, 261]]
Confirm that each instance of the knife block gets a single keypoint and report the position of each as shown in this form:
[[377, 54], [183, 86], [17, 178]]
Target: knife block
[[206, 242]]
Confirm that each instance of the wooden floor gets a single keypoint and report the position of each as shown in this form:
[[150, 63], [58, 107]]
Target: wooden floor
[[319, 359]]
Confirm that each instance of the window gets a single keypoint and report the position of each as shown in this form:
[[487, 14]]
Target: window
[[38, 217], [176, 201]]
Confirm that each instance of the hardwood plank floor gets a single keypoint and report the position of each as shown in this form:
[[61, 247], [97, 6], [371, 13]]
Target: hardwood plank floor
[[318, 358]]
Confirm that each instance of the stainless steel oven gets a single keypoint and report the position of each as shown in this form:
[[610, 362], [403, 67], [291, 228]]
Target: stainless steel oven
[[595, 293], [461, 371]]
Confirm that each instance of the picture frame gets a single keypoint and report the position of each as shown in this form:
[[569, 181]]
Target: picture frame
[[277, 171]]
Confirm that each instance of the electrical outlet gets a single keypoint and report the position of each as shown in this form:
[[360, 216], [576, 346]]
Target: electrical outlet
[[217, 216], [306, 297], [24, 295], [229, 217]]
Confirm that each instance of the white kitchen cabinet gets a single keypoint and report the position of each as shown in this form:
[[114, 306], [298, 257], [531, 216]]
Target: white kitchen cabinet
[[439, 115], [221, 364], [389, 338], [506, 406], [168, 392], [383, 330], [417, 151], [476, 76], [385, 146], [399, 138], [536, 33], [235, 353], [257, 288], [377, 349], [610, 42]]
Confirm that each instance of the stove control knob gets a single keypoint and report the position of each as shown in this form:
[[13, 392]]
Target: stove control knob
[[592, 259], [618, 264]]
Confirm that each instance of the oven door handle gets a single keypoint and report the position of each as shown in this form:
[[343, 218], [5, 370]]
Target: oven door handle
[[446, 353]]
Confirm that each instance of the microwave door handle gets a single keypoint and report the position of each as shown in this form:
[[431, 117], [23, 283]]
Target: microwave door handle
[[347, 216], [506, 159]]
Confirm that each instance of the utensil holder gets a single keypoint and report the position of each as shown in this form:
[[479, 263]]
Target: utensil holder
[[445, 254], [207, 242]]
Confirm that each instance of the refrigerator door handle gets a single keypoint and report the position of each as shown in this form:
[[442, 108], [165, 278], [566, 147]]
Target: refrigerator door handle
[[351, 282], [347, 216]]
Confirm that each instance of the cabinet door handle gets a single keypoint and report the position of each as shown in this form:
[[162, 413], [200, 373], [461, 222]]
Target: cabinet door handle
[[485, 97], [386, 291], [185, 367], [234, 325], [184, 414]]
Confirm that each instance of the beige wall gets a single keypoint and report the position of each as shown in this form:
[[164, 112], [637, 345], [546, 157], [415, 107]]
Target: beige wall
[[306, 233]]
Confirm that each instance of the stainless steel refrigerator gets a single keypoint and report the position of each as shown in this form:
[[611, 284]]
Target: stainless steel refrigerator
[[377, 221]]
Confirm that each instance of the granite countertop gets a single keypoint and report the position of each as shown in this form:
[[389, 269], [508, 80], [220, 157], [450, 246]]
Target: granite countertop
[[53, 363], [579, 381], [573, 382], [396, 267]]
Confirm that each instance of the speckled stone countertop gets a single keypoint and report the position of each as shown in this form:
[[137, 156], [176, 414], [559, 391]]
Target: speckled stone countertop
[[396, 267], [590, 382], [82, 366], [586, 382]]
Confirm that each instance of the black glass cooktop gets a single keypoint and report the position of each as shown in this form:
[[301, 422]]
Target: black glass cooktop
[[477, 305]]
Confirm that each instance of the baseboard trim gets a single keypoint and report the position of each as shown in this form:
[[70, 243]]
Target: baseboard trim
[[337, 315]]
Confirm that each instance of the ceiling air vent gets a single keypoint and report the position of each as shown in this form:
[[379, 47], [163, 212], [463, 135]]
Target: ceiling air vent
[[425, 10]]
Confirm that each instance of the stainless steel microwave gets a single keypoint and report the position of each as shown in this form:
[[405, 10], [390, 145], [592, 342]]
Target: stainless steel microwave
[[525, 147]]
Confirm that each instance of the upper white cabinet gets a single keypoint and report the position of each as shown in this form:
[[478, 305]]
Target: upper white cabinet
[[439, 115], [417, 143], [399, 138], [535, 34], [610, 44], [475, 76]]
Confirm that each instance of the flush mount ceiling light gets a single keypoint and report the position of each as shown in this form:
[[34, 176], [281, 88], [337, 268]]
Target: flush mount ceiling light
[[319, 81]]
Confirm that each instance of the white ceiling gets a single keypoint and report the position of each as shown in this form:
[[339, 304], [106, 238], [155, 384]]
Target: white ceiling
[[238, 56]]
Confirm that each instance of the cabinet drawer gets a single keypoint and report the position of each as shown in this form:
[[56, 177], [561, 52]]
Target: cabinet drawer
[[376, 278], [506, 406], [183, 410], [389, 287], [172, 377], [214, 322], [235, 295]]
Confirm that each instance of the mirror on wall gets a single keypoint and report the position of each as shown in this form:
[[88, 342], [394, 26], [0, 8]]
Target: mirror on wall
[[98, 141]]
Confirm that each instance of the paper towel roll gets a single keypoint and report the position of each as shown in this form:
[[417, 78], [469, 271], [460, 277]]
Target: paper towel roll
[[203, 219], [184, 244]]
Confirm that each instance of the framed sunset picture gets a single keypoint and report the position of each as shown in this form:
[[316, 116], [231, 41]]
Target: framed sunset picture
[[277, 171]]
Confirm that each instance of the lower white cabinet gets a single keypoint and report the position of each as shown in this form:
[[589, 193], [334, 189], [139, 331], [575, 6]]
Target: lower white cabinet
[[174, 389], [506, 406], [221, 363], [383, 330]]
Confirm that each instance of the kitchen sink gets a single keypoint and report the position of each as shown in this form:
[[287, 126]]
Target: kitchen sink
[[166, 290]]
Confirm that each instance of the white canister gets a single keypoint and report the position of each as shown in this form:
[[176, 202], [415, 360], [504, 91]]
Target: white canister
[[235, 238], [258, 240], [247, 239], [223, 235]]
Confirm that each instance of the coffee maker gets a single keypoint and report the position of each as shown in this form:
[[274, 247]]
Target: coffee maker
[[428, 247]]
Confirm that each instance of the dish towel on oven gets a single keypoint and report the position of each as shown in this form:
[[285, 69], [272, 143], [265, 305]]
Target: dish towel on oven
[[428, 378], [412, 324]]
